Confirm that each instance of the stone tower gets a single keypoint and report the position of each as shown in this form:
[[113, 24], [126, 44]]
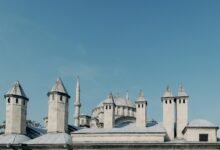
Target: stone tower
[[109, 112], [58, 108], [168, 102], [181, 111], [77, 104], [16, 110], [141, 109]]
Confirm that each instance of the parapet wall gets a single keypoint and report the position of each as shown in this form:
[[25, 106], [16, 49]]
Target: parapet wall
[[148, 146]]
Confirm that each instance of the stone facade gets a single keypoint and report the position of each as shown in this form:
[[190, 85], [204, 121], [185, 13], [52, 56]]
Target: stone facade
[[168, 113], [141, 110], [122, 126], [192, 134]]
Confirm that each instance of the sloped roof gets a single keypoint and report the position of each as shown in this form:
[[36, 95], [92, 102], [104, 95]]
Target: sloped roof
[[201, 123], [13, 138], [51, 138], [16, 90], [130, 128]]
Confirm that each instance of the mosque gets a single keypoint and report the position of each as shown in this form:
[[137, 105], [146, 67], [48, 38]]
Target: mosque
[[116, 123]]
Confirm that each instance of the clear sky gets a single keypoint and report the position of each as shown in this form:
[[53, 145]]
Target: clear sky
[[112, 45]]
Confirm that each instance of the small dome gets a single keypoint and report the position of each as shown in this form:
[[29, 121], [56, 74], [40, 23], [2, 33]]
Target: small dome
[[119, 101], [201, 123]]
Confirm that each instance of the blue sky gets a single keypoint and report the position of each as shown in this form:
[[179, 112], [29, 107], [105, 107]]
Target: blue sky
[[112, 45]]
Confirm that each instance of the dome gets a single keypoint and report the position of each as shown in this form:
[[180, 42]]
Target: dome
[[120, 101], [201, 123]]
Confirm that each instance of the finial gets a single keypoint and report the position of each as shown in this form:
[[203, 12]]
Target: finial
[[117, 94], [110, 95], [141, 94], [17, 82], [181, 88], [168, 92], [168, 88], [58, 79], [127, 96], [181, 91]]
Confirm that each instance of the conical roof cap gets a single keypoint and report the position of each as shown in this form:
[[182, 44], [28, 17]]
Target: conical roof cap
[[16, 90], [110, 99], [181, 91], [141, 97], [168, 92], [59, 87]]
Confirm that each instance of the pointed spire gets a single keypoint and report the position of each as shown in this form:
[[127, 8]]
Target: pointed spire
[[78, 83], [141, 96], [16, 90], [59, 87], [168, 92], [126, 95], [181, 91], [110, 99]]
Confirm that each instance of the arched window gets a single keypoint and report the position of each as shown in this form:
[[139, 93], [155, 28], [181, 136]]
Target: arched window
[[138, 105], [170, 102], [142, 105], [16, 100], [166, 101], [106, 107], [61, 98], [9, 100], [180, 101], [184, 101], [109, 107]]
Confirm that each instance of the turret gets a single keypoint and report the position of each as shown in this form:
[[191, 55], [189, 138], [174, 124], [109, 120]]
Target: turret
[[168, 101], [109, 112], [58, 108], [16, 110], [141, 109], [181, 111], [77, 104]]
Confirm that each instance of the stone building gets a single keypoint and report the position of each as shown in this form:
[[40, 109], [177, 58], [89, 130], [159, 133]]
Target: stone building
[[116, 123]]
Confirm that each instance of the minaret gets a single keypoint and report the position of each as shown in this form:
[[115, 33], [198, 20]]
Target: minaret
[[141, 108], [58, 108], [168, 112], [109, 112], [77, 104], [16, 110], [182, 111]]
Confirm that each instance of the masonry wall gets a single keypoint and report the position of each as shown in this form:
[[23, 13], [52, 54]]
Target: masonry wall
[[16, 116], [117, 138], [148, 146], [169, 116], [57, 113], [181, 115], [141, 116], [192, 134]]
